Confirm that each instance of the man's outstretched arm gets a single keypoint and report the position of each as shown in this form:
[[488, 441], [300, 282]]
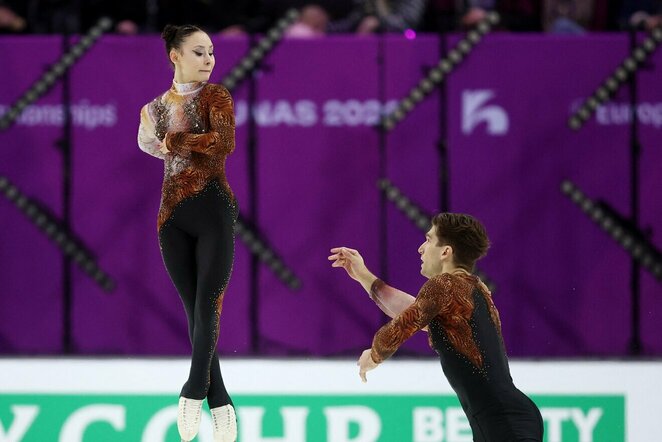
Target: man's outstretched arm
[[429, 303], [389, 299]]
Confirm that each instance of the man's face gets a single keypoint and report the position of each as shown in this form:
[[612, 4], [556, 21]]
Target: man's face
[[431, 254]]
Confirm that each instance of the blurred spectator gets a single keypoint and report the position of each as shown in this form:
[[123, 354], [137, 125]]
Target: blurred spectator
[[331, 9], [577, 16], [229, 17], [312, 22], [314, 17], [59, 16], [369, 16], [567, 16], [129, 16], [53, 16], [645, 14], [11, 17], [455, 15]]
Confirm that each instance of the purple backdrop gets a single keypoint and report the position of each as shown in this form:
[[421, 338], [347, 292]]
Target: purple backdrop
[[562, 283]]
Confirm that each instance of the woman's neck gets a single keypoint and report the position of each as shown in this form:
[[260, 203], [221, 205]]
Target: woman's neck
[[181, 80], [186, 88]]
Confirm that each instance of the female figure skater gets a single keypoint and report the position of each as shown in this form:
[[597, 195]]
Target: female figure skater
[[191, 127]]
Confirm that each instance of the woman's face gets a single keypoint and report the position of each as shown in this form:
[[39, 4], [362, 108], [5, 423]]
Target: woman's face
[[194, 61]]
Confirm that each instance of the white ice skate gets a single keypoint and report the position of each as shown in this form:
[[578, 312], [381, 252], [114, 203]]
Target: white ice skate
[[188, 418], [225, 423]]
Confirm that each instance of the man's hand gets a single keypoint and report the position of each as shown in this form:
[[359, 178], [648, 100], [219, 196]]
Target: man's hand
[[350, 260], [366, 364]]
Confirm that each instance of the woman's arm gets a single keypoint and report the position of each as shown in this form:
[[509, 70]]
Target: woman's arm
[[221, 134], [147, 139]]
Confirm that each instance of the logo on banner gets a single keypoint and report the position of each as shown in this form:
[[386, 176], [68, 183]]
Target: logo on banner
[[262, 418], [84, 114], [476, 111], [615, 113]]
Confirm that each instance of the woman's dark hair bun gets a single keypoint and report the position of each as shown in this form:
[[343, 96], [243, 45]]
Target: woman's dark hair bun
[[174, 36], [169, 33]]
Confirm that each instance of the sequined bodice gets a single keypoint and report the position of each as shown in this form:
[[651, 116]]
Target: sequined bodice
[[196, 122]]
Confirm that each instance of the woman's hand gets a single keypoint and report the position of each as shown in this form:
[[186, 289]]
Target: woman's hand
[[164, 145], [350, 260]]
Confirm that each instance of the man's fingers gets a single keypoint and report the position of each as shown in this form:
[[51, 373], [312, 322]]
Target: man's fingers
[[345, 250], [363, 376], [340, 257]]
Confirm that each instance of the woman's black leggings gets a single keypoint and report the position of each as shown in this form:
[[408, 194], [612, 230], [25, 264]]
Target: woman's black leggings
[[197, 245]]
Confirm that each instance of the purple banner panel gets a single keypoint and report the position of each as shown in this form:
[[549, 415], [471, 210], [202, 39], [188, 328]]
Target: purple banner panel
[[317, 174], [565, 283], [562, 284], [650, 196], [413, 164], [512, 148], [31, 275]]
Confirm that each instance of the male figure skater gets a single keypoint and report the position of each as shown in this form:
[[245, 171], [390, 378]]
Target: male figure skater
[[464, 328]]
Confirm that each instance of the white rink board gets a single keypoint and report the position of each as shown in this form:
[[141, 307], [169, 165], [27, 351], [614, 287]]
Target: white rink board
[[639, 382]]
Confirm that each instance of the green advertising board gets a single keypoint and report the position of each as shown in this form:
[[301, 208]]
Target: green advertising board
[[294, 418]]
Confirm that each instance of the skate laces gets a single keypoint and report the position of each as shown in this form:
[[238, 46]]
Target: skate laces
[[224, 420], [190, 411]]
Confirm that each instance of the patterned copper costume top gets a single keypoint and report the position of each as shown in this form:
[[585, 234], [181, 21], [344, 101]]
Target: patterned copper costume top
[[196, 120], [464, 329]]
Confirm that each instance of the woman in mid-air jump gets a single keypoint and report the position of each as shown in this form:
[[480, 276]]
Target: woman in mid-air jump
[[191, 127]]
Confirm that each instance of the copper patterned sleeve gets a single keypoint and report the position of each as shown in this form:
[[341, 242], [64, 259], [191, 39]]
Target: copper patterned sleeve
[[222, 119], [222, 126], [389, 299], [431, 299]]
